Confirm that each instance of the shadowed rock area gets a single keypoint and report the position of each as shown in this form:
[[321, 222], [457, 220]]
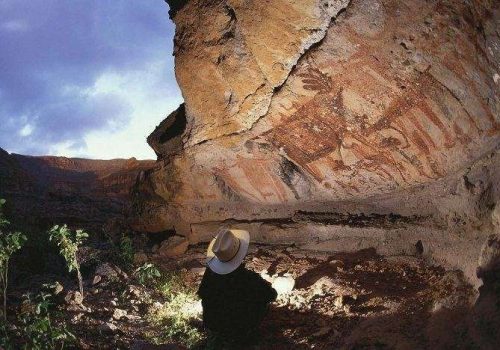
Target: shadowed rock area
[[85, 193]]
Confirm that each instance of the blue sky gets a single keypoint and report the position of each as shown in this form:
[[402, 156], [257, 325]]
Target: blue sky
[[84, 78]]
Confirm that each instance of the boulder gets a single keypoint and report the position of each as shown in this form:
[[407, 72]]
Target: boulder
[[283, 285], [140, 258], [109, 271], [173, 247]]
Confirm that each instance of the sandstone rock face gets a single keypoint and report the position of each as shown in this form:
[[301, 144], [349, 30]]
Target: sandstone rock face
[[329, 113]]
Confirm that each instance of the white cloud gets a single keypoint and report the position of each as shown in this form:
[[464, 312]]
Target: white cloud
[[151, 101], [26, 130], [15, 26]]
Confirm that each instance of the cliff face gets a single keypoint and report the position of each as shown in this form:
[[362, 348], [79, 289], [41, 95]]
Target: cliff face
[[329, 120], [81, 192]]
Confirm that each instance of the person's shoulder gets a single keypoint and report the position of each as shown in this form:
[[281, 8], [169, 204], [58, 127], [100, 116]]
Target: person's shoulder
[[247, 272], [207, 282], [252, 275]]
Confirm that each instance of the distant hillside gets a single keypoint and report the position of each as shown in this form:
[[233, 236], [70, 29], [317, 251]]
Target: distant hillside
[[81, 192]]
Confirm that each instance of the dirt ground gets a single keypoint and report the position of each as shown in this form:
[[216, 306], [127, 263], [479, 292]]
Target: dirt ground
[[339, 301], [352, 300]]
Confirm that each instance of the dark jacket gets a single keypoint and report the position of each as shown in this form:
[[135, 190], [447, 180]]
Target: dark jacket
[[234, 304]]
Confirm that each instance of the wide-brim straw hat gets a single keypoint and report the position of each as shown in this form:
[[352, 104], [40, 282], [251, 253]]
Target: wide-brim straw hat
[[227, 250]]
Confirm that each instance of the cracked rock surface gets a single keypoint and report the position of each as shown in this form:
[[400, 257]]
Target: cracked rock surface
[[338, 109]]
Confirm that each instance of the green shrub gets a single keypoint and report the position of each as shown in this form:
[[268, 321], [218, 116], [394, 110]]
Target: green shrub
[[3, 221], [176, 316], [147, 274], [9, 244], [68, 244], [38, 330], [126, 251], [171, 284]]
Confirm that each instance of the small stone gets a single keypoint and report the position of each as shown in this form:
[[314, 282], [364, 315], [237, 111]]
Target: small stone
[[108, 271], [323, 331], [140, 258], [83, 345], [119, 313], [73, 298], [114, 303], [496, 78], [58, 288], [133, 317], [96, 279], [198, 270], [322, 285], [108, 327], [299, 255], [134, 291], [495, 217], [284, 285], [76, 317], [173, 247], [339, 302]]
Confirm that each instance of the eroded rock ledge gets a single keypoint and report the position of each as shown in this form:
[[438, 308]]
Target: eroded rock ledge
[[341, 109]]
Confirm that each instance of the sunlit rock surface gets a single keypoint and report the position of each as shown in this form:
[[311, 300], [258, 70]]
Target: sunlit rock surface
[[335, 124]]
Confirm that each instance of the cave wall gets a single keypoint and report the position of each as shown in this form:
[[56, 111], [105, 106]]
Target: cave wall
[[332, 123]]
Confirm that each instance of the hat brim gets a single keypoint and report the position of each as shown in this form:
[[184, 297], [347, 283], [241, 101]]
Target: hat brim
[[225, 267]]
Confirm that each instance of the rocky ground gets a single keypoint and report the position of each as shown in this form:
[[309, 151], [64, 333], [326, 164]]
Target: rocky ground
[[351, 301]]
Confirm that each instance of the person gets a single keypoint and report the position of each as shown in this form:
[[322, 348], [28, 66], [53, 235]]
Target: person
[[234, 299]]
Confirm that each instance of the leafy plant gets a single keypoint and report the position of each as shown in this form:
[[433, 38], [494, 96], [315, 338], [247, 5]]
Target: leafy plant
[[9, 244], [176, 317], [126, 251], [171, 284], [37, 327], [3, 220], [147, 273], [69, 244], [5, 339]]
